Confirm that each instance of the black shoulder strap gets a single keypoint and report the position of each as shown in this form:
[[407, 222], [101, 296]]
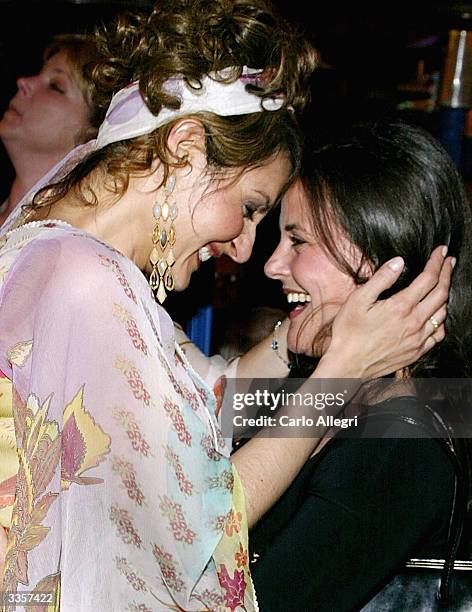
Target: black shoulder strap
[[433, 424], [457, 451]]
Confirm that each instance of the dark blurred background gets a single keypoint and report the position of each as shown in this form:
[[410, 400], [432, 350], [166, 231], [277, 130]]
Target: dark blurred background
[[377, 59], [369, 51]]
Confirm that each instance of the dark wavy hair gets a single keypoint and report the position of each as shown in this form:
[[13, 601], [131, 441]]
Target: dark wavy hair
[[393, 190]]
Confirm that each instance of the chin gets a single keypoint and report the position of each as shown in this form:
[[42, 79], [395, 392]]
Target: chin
[[179, 286], [300, 338], [303, 345], [307, 352], [300, 346], [181, 282]]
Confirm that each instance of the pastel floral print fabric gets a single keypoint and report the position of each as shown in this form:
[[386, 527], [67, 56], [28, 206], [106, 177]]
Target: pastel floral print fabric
[[119, 493]]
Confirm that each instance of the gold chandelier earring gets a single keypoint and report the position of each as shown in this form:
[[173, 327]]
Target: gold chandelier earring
[[163, 239]]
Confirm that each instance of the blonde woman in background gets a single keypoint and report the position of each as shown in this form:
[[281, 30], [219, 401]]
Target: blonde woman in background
[[51, 113]]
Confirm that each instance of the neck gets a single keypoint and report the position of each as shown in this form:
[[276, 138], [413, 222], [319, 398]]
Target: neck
[[29, 167], [113, 219]]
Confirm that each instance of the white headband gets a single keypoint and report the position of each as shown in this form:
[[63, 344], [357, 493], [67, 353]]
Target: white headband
[[128, 116]]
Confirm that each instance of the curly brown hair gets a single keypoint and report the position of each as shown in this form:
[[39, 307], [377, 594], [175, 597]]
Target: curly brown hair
[[192, 38], [195, 37]]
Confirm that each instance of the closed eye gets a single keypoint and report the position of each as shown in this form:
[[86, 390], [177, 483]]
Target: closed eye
[[56, 87], [249, 211], [296, 240]]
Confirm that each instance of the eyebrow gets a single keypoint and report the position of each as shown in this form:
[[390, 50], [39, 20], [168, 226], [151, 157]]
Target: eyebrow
[[291, 226], [58, 72], [61, 72], [267, 201]]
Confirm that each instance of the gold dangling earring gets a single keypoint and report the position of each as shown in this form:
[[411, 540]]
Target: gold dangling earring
[[163, 239]]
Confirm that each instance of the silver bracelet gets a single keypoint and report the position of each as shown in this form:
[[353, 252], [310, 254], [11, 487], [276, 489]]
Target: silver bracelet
[[275, 344]]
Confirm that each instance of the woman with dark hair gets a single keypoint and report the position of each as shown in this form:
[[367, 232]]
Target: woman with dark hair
[[361, 507], [119, 454]]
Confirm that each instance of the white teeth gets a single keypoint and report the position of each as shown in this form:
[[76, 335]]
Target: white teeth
[[298, 297], [204, 254]]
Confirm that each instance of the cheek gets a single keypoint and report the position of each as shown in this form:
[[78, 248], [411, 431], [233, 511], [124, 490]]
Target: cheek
[[303, 269], [71, 120], [57, 110], [336, 292], [47, 117], [326, 284], [227, 224]]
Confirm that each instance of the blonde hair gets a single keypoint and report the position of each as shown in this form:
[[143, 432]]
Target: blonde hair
[[81, 53]]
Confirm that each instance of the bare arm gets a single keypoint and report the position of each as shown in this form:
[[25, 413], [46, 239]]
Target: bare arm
[[262, 359], [267, 465]]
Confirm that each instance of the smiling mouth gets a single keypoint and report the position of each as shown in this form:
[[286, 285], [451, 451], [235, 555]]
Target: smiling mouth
[[13, 109], [298, 301], [204, 254], [208, 251]]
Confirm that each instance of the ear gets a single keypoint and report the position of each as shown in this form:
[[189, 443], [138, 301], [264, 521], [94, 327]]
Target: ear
[[187, 138], [366, 270]]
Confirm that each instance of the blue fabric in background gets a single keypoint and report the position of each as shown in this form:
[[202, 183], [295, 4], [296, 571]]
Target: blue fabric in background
[[199, 328]]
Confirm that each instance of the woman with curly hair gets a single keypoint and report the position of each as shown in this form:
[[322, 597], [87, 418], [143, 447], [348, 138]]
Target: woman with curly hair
[[125, 494]]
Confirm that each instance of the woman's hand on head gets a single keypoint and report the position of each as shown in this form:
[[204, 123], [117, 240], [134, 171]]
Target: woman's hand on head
[[372, 337]]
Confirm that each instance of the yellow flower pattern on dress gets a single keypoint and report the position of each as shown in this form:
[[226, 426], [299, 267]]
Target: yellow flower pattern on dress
[[233, 522], [84, 443], [19, 353], [241, 556], [8, 456], [38, 459], [103, 398], [232, 559]]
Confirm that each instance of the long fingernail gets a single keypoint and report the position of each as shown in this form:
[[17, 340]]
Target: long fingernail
[[453, 262], [396, 264], [444, 251]]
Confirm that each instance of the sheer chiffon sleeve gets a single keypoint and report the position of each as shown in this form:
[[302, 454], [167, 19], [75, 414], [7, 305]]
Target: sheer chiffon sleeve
[[211, 368], [124, 486]]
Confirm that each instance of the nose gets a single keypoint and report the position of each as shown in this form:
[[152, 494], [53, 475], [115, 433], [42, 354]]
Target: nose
[[277, 266], [240, 248], [26, 85]]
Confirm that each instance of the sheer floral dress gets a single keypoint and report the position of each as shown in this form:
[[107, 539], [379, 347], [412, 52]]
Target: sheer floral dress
[[116, 487]]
